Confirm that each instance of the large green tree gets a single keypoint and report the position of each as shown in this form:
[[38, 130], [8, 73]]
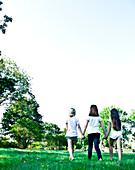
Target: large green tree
[[14, 81], [22, 122]]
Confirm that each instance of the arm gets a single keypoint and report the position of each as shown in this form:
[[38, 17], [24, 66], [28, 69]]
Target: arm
[[66, 126], [101, 123], [85, 127], [79, 128], [109, 129]]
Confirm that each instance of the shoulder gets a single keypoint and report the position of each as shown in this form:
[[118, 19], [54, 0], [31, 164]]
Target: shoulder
[[88, 118], [99, 118], [67, 119]]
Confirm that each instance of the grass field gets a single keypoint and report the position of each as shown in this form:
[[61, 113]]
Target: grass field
[[16, 159]]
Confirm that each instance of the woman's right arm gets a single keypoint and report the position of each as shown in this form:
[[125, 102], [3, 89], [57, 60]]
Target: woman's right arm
[[85, 127], [80, 130]]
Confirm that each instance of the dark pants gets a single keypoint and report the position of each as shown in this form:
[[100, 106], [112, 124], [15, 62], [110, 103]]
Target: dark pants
[[94, 137]]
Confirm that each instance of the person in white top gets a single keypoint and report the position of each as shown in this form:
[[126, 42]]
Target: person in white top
[[71, 126], [92, 122], [114, 129]]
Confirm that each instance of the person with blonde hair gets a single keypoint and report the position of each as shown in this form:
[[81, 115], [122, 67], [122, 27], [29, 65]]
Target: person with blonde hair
[[71, 126], [92, 122], [114, 129]]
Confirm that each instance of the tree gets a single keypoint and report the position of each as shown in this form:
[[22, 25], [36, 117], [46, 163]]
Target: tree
[[126, 128], [131, 120], [4, 21], [26, 131], [14, 82], [51, 129], [22, 122]]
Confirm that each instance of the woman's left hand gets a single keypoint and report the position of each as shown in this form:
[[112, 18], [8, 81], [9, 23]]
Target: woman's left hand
[[82, 137]]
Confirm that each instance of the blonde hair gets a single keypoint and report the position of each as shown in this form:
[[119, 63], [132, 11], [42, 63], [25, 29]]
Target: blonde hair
[[72, 112]]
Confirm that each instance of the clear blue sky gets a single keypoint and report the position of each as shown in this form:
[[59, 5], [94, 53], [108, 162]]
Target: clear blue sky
[[78, 52]]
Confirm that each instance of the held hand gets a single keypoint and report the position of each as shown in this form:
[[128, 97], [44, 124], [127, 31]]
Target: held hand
[[82, 137], [105, 137]]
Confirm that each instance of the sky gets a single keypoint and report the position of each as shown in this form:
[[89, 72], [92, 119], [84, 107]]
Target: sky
[[77, 52]]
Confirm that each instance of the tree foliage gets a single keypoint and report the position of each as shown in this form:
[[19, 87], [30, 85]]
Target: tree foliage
[[56, 142], [132, 124], [26, 131], [22, 122], [14, 82], [132, 119], [54, 137], [51, 129], [4, 22]]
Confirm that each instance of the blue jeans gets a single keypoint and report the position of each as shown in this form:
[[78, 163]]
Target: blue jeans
[[94, 137]]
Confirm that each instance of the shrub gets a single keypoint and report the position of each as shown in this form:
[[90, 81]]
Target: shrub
[[4, 142]]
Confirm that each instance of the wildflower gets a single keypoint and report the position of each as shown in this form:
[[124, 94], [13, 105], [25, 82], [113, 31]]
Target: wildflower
[[47, 165], [43, 166]]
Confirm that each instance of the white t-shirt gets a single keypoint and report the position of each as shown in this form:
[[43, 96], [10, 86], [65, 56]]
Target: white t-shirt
[[93, 124], [72, 126]]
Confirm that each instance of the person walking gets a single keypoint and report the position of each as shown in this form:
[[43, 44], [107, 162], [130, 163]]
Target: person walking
[[114, 129], [71, 126], [92, 122]]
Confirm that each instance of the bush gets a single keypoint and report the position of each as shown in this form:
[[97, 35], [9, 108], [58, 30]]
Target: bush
[[36, 145], [13, 144], [78, 146], [4, 142], [56, 142]]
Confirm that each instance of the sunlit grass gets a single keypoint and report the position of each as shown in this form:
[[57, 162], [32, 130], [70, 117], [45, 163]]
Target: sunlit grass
[[16, 159]]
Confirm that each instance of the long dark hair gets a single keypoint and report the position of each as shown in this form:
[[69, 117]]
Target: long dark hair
[[93, 111], [116, 123]]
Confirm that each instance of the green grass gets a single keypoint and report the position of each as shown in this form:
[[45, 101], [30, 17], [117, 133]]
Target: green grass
[[16, 159]]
